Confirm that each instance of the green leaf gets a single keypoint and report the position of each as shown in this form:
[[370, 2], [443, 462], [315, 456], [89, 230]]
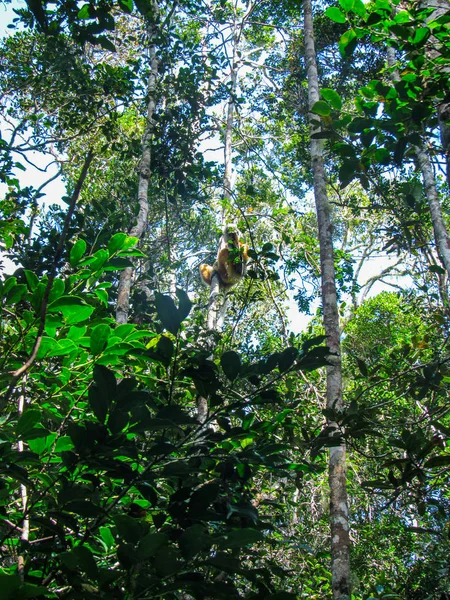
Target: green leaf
[[202, 498], [321, 108], [184, 304], [32, 280], [167, 562], [118, 264], [105, 380], [438, 461], [107, 537], [62, 348], [240, 538], [58, 289], [231, 364], [346, 5], [15, 294], [117, 243], [73, 308], [287, 358], [83, 13], [347, 43], [130, 530], [27, 421], [126, 6], [63, 444], [76, 252], [84, 508], [167, 313], [421, 34], [150, 544], [98, 401], [332, 98], [359, 8], [335, 14], [99, 338], [80, 558], [102, 295], [194, 540]]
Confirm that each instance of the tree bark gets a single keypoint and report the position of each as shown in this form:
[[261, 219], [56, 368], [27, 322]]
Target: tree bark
[[339, 522], [124, 288]]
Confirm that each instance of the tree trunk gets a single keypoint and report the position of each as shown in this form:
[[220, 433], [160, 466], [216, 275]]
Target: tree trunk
[[340, 541], [124, 289]]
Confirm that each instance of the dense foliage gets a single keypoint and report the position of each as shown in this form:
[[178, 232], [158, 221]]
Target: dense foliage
[[111, 486]]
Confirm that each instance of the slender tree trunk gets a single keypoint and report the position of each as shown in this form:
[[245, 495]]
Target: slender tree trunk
[[425, 165], [124, 289], [340, 541]]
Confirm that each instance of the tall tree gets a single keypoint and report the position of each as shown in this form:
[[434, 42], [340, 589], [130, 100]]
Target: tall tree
[[339, 518], [138, 229]]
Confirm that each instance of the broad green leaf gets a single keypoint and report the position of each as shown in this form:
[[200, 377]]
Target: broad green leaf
[[102, 295], [202, 498], [58, 288], [287, 358], [84, 13], [168, 313], [346, 5], [32, 280], [15, 294], [75, 333], [126, 6], [98, 401], [84, 508], [321, 108], [41, 444], [231, 364], [63, 444], [130, 530], [240, 538], [332, 98], [76, 252], [105, 380], [62, 347], [194, 540], [335, 14], [118, 264], [421, 34], [382, 156], [184, 304], [167, 562], [116, 243], [359, 8], [150, 544], [80, 558], [95, 261], [107, 537], [27, 421], [99, 338], [347, 43]]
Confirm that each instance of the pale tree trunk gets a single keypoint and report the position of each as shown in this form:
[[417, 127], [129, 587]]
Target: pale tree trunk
[[425, 165], [124, 288], [339, 521]]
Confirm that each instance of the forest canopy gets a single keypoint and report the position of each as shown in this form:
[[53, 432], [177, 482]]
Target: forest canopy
[[224, 281]]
